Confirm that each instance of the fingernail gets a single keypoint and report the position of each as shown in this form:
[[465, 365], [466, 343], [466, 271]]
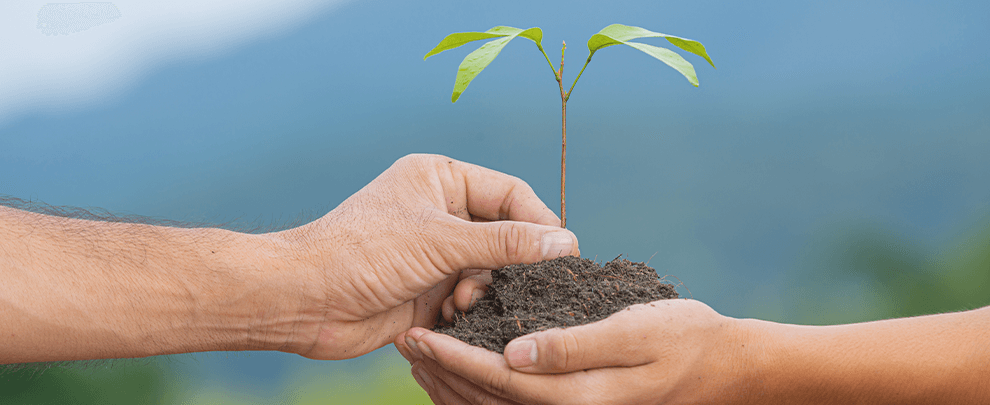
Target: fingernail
[[556, 244], [475, 296], [521, 353], [423, 379], [423, 347], [412, 345]]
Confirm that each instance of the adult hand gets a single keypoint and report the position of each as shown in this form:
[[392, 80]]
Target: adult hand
[[335, 288], [668, 351], [391, 253]]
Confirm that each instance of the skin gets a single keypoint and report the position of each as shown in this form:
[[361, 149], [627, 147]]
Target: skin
[[338, 287], [681, 351]]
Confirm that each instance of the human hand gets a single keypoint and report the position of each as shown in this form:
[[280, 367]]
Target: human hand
[[669, 351], [386, 257]]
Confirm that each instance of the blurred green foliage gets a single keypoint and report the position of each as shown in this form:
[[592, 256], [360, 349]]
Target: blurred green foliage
[[104, 382], [385, 379], [379, 378], [869, 274], [910, 283]]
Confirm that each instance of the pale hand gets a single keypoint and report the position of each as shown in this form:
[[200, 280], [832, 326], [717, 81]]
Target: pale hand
[[394, 250]]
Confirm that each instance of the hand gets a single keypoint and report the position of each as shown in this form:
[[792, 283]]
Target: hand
[[388, 255], [668, 351]]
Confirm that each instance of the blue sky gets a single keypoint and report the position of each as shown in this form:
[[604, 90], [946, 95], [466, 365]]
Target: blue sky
[[821, 116]]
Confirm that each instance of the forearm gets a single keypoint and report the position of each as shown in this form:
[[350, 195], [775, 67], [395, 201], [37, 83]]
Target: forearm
[[74, 289], [931, 359]]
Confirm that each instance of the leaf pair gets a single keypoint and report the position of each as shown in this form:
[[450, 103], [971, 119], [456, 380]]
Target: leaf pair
[[614, 34], [478, 60]]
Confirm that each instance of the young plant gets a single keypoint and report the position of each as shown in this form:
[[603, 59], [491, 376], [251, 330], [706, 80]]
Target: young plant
[[614, 34]]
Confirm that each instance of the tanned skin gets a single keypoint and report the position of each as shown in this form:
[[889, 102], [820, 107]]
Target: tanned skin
[[682, 352], [338, 287]]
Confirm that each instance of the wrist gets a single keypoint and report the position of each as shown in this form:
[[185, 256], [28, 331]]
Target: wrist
[[293, 295], [298, 278], [257, 293], [735, 366], [754, 360]]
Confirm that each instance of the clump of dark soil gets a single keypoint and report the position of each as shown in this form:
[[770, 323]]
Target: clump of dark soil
[[562, 292]]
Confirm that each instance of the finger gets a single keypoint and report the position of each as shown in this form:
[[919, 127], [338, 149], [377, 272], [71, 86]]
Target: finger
[[468, 245], [448, 309], [402, 345], [482, 276], [449, 396], [489, 372], [493, 195], [464, 388], [426, 382], [621, 340], [470, 290], [485, 369], [402, 349]]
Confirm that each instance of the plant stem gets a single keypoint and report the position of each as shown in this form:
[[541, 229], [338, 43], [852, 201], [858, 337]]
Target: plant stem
[[555, 74], [563, 139], [564, 96], [586, 62]]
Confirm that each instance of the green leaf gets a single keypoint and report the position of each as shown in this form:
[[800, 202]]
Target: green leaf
[[478, 60], [474, 63], [616, 34], [669, 57], [459, 38]]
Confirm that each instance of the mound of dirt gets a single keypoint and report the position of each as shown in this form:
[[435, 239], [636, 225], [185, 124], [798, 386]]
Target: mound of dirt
[[562, 292]]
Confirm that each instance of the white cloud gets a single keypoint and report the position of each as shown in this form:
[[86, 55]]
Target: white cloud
[[71, 56]]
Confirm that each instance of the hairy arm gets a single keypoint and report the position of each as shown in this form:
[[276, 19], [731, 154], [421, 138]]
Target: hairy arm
[[77, 289], [341, 286]]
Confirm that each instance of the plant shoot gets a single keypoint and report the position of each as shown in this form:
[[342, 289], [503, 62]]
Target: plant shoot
[[614, 34]]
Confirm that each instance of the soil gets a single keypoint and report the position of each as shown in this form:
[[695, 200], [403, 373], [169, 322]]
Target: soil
[[562, 292]]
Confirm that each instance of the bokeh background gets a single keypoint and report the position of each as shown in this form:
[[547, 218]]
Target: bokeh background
[[834, 168]]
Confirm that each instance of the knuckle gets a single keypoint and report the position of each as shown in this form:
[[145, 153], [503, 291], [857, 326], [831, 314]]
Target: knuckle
[[510, 241], [407, 159], [520, 186], [572, 350], [420, 160], [561, 348], [417, 157]]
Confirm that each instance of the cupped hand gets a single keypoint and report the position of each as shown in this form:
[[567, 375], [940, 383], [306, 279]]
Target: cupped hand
[[669, 351], [388, 256]]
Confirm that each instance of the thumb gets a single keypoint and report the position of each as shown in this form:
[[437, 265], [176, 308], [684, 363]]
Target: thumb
[[617, 341], [491, 245]]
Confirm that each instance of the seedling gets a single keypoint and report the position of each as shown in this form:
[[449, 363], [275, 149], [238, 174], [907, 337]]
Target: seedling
[[614, 34]]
